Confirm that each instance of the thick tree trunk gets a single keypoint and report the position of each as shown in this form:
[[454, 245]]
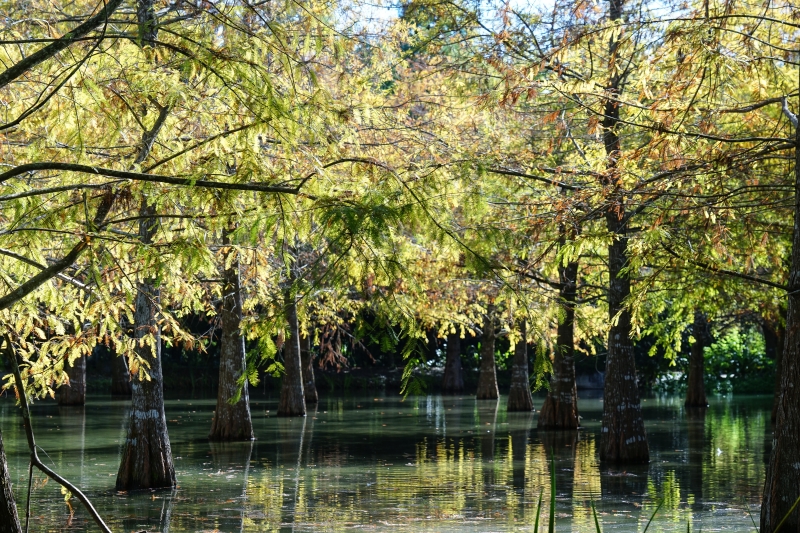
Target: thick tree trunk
[[307, 359], [73, 393], [560, 408], [519, 395], [9, 521], [120, 376], [292, 400], [622, 438], [487, 379], [453, 381], [146, 454], [696, 390], [782, 485], [231, 420], [774, 339]]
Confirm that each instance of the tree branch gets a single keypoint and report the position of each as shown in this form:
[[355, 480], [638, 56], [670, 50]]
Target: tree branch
[[724, 271], [138, 176], [45, 53], [785, 108], [60, 275], [556, 183], [53, 270], [35, 461]]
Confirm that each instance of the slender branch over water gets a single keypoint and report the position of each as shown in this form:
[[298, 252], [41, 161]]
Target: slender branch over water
[[35, 461]]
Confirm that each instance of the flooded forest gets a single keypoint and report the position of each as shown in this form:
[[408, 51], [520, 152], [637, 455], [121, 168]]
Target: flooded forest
[[433, 265]]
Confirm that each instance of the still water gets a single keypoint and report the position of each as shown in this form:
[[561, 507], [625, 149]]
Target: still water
[[425, 464]]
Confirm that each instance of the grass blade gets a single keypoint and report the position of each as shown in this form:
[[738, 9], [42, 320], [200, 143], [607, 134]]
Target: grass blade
[[660, 503], [785, 518], [746, 506], [552, 527], [596, 522], [538, 512]]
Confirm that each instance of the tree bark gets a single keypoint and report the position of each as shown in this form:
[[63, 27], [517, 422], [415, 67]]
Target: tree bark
[[9, 521], [146, 453], [453, 381], [292, 400], [782, 484], [307, 359], [487, 379], [231, 420], [519, 395], [622, 438], [774, 338], [560, 408], [696, 390], [120, 376], [73, 393]]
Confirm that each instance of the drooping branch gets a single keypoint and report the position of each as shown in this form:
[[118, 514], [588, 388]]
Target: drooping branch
[[556, 183], [725, 272], [35, 461]]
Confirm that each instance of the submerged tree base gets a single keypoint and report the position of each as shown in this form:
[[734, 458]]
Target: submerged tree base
[[557, 414]]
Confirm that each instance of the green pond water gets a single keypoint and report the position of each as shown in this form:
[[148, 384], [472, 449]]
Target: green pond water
[[379, 463]]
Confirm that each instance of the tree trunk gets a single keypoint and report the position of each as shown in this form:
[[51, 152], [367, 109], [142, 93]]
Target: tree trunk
[[560, 408], [307, 359], [432, 344], [73, 393], [120, 377], [453, 381], [782, 485], [487, 379], [231, 420], [146, 453], [696, 391], [519, 395], [292, 401], [774, 338], [9, 521], [622, 438]]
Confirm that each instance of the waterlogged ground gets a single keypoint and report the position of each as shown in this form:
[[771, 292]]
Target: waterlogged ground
[[425, 464]]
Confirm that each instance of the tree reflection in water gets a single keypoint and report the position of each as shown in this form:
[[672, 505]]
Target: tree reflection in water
[[428, 463]]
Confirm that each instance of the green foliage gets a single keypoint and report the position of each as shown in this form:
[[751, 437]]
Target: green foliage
[[542, 367], [737, 362]]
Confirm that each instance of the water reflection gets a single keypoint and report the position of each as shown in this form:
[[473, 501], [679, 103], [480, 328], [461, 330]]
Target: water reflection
[[426, 464]]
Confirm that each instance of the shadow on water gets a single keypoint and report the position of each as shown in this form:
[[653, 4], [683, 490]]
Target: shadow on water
[[424, 464]]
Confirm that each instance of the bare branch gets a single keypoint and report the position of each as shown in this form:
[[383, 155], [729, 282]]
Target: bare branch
[[786, 111], [35, 461]]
